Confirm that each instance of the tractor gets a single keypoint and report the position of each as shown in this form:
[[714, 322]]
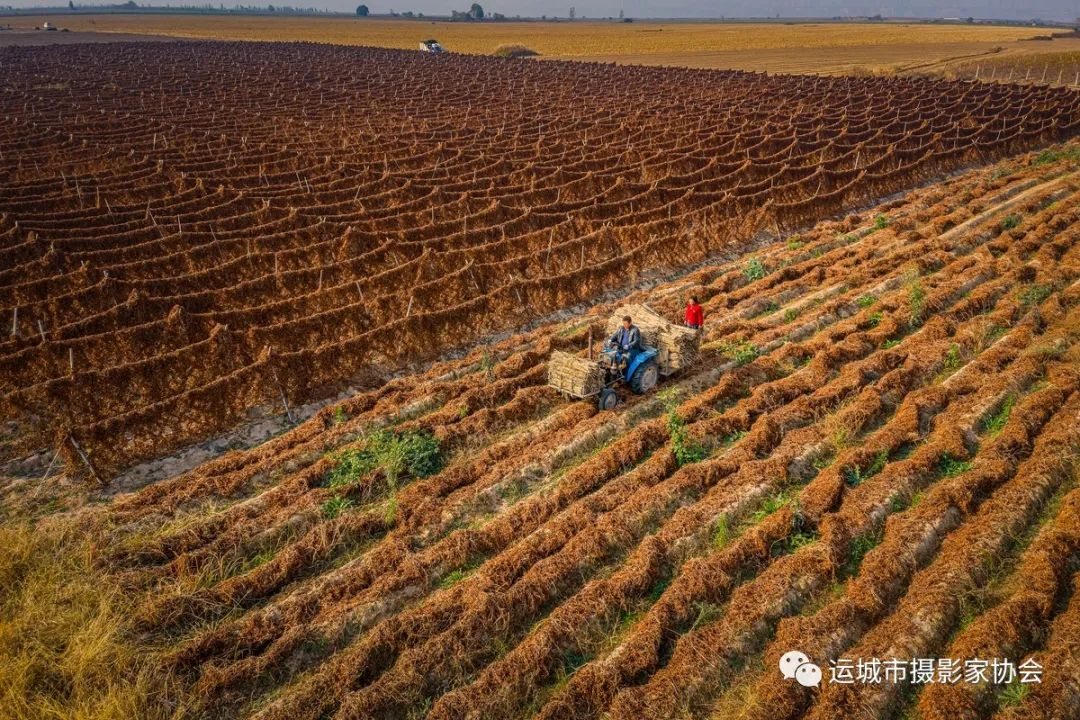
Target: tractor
[[666, 349], [640, 375]]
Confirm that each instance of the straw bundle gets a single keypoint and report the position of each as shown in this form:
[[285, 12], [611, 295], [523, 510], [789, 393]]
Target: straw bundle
[[648, 322], [574, 374], [678, 346], [681, 344]]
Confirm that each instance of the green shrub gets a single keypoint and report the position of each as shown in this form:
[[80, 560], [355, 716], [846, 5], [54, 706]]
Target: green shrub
[[771, 505], [854, 475], [866, 301], [1010, 222], [996, 422], [951, 467], [1047, 157], [952, 357], [685, 449], [992, 333], [790, 314], [1013, 694], [876, 318], [859, 548], [917, 302], [794, 243], [742, 351], [755, 270], [335, 506], [1035, 294], [721, 533], [455, 576], [734, 437], [414, 452], [881, 222]]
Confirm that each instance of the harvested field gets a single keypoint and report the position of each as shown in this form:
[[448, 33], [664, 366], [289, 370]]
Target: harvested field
[[885, 420], [1046, 68], [283, 225], [645, 41], [826, 48]]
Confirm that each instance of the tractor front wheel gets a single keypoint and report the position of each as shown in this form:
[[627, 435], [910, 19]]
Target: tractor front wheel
[[608, 399], [644, 378]]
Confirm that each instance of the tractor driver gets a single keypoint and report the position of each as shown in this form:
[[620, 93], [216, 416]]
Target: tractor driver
[[626, 341]]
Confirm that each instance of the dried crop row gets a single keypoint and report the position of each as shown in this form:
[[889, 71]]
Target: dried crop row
[[1056, 696], [685, 677], [399, 688], [133, 167], [322, 589], [932, 600], [589, 673], [909, 539], [189, 483], [1012, 628], [584, 696]]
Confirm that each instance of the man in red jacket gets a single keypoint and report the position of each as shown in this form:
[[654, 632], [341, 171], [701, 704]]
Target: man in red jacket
[[695, 314]]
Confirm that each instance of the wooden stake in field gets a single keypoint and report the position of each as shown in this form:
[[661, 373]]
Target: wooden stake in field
[[85, 459], [15, 322], [52, 462], [547, 259]]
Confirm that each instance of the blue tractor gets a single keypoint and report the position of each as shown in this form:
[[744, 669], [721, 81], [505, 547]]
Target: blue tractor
[[640, 374], [665, 350]]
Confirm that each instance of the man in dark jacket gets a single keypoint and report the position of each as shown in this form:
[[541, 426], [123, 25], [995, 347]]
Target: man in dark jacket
[[626, 341]]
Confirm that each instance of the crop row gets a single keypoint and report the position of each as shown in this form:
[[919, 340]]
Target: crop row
[[283, 225], [886, 405]]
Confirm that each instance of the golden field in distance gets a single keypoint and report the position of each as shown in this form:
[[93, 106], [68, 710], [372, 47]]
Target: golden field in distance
[[773, 47]]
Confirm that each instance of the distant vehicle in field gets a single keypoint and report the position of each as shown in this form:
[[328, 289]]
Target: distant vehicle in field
[[49, 27], [431, 46]]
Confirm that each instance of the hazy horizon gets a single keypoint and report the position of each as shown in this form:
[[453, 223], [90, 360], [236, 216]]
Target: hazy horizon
[[1058, 10]]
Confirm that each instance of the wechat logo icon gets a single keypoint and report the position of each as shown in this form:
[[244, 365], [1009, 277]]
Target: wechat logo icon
[[794, 665]]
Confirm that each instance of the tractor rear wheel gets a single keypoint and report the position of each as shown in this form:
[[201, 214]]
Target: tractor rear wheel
[[644, 378], [608, 399]]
